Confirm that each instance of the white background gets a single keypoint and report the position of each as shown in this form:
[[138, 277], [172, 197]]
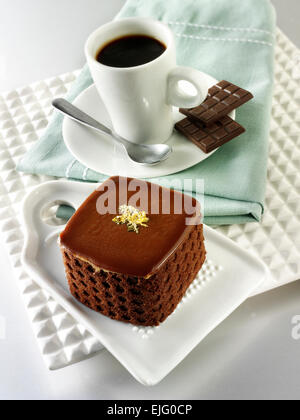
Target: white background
[[251, 355]]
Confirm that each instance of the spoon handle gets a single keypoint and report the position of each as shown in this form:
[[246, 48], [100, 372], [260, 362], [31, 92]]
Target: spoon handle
[[76, 114]]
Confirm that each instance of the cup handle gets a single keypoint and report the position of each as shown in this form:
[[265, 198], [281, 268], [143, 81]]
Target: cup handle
[[176, 96]]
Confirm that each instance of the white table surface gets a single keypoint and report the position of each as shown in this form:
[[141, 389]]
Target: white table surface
[[251, 355]]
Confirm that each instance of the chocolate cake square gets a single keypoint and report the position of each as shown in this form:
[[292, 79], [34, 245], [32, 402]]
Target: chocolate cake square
[[132, 249]]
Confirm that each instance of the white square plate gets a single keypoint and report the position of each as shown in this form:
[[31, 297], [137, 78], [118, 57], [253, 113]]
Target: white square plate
[[228, 277]]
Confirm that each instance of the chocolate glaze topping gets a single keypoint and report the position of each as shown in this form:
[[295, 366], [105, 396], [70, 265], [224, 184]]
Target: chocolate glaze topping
[[97, 239]]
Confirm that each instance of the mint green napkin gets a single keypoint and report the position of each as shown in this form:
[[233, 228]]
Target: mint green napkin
[[229, 39]]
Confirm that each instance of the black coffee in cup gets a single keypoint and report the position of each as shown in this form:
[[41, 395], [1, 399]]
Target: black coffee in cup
[[130, 51]]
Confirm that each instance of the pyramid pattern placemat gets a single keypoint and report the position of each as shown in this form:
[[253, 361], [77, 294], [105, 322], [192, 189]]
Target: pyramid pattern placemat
[[277, 239], [25, 112]]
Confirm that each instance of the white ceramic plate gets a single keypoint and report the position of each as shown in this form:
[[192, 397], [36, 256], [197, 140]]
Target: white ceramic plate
[[100, 153], [228, 277]]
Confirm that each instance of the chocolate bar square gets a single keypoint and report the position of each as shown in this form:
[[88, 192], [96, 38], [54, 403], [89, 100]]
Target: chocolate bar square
[[208, 138], [222, 98]]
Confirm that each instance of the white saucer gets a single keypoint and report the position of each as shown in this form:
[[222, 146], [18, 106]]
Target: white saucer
[[100, 153]]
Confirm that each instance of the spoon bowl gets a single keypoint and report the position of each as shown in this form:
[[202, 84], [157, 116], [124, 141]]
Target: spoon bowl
[[148, 155]]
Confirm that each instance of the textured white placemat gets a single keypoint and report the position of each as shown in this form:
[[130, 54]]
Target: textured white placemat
[[25, 112]]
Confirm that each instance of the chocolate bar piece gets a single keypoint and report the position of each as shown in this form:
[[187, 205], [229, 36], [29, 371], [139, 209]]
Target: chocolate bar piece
[[208, 138], [221, 99]]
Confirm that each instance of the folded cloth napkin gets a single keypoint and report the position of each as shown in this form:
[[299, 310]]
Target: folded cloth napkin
[[229, 39]]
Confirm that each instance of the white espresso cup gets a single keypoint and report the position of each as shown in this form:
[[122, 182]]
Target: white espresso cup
[[139, 99]]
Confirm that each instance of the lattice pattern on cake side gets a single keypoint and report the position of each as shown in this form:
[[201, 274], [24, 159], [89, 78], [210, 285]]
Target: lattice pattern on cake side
[[208, 271], [138, 300], [23, 115]]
